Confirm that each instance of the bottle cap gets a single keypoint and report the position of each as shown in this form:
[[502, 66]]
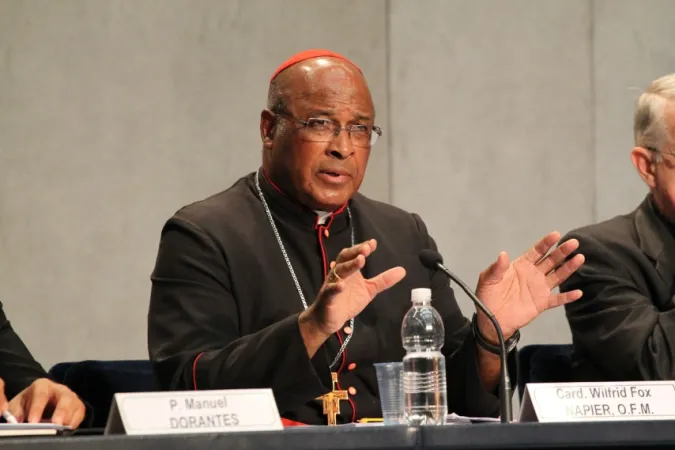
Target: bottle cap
[[420, 295]]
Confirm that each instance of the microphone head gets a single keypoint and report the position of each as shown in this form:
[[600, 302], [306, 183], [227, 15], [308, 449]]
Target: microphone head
[[430, 259]]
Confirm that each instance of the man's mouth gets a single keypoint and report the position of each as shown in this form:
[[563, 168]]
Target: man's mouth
[[334, 176]]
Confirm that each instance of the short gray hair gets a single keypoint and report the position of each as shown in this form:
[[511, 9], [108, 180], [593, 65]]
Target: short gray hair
[[276, 101], [649, 127]]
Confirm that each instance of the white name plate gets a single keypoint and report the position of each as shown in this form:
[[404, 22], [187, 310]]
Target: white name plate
[[581, 402], [183, 412]]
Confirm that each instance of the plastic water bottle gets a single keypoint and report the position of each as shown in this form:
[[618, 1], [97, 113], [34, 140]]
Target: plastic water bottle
[[424, 380]]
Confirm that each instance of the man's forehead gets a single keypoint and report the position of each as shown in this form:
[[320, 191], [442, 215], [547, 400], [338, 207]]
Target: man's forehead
[[313, 107], [328, 86], [331, 80], [328, 96]]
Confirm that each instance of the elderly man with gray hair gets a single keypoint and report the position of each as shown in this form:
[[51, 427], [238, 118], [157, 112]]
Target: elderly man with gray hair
[[624, 326]]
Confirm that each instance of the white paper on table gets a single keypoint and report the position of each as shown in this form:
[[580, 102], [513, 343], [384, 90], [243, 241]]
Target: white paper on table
[[456, 418], [31, 429]]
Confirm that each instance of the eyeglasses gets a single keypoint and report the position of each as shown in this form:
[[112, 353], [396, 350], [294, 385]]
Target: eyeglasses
[[325, 130]]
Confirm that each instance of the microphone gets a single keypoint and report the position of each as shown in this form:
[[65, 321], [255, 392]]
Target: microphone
[[434, 261]]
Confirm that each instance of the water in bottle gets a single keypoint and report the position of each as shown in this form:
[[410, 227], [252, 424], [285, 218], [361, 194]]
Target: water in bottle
[[424, 379]]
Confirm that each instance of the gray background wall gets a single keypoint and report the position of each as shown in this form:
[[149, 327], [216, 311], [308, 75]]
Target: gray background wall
[[503, 121]]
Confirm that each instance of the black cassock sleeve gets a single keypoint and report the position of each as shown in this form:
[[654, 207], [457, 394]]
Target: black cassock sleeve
[[193, 329], [18, 369], [617, 321], [466, 394]]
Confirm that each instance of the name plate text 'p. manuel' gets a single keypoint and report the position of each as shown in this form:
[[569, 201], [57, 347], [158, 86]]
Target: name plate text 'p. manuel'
[[193, 412], [578, 402]]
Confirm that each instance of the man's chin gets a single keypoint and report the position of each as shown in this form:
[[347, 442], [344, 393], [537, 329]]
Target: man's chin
[[329, 203]]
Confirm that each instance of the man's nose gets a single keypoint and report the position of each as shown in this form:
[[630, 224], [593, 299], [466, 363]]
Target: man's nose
[[341, 146]]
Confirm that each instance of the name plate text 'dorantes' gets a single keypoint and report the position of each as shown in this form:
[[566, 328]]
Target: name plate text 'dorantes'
[[577, 402], [193, 412]]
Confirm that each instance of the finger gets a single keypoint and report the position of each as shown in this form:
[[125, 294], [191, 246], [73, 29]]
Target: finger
[[345, 269], [385, 280], [37, 400], [63, 410], [495, 272], [564, 298], [558, 276], [78, 415], [364, 248], [542, 247], [16, 407], [4, 404], [558, 256]]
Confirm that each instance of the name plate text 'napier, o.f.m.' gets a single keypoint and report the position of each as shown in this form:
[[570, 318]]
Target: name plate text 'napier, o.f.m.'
[[193, 412], [579, 402]]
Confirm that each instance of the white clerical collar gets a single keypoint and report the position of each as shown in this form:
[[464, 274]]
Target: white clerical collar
[[322, 216]]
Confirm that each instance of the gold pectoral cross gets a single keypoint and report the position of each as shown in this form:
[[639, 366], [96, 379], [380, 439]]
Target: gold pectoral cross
[[331, 401]]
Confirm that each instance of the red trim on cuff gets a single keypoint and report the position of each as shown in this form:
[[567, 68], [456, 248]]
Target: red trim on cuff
[[292, 423]]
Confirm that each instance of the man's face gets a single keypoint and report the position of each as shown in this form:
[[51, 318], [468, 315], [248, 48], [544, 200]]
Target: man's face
[[319, 169], [664, 172]]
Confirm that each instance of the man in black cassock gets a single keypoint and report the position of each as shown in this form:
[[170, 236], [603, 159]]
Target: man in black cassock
[[290, 274], [624, 328], [33, 396]]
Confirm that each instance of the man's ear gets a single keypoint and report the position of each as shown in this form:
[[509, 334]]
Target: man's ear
[[643, 162], [268, 122]]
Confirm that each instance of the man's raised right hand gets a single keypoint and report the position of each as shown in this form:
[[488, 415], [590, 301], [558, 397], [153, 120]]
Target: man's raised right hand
[[344, 294]]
